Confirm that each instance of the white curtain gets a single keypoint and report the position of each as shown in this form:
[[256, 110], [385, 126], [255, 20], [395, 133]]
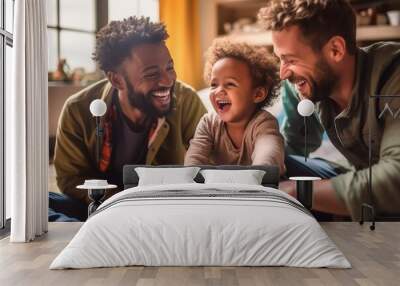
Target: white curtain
[[26, 123]]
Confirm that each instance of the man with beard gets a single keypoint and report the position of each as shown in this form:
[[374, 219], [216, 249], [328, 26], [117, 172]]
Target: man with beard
[[150, 117], [319, 60]]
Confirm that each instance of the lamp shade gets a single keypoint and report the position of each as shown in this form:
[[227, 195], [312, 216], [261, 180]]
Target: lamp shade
[[305, 107], [98, 107]]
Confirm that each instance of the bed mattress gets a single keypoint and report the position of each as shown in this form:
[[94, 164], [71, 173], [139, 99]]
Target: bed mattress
[[201, 225]]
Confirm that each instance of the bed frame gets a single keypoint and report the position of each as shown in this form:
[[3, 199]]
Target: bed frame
[[270, 179]]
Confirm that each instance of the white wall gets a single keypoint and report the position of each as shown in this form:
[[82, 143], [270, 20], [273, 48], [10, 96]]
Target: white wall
[[120, 9]]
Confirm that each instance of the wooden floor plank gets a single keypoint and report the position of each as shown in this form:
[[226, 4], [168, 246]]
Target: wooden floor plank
[[374, 255]]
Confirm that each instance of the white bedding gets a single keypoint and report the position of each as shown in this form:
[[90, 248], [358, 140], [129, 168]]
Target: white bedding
[[185, 230]]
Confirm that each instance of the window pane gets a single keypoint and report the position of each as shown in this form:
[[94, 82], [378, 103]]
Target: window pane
[[77, 49], [51, 12], [7, 83], [52, 49], [78, 14], [120, 9], [9, 15], [150, 9]]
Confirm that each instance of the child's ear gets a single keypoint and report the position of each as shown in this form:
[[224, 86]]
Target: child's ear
[[260, 94]]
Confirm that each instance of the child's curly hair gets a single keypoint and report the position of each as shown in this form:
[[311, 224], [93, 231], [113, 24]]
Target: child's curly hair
[[262, 65], [115, 41]]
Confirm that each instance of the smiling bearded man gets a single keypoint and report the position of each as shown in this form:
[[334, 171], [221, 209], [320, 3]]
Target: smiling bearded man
[[319, 60], [150, 117]]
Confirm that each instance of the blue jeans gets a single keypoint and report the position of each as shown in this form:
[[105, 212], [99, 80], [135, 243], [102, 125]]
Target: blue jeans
[[64, 209], [316, 167]]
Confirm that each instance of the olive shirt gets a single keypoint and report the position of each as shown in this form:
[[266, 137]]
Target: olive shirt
[[75, 151], [377, 73]]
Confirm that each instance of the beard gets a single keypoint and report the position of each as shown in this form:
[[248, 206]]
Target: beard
[[144, 103], [323, 86], [323, 83]]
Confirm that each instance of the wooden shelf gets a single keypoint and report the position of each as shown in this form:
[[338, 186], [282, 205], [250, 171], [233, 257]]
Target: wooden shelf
[[256, 38], [378, 33], [364, 33]]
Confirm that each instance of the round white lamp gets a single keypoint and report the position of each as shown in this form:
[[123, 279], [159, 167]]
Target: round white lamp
[[305, 107], [98, 108], [96, 188], [304, 185]]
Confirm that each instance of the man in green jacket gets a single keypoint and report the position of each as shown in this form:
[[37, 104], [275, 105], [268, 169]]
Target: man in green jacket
[[150, 116], [316, 44]]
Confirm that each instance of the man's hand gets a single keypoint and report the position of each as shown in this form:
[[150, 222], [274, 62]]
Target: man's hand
[[288, 187], [324, 196]]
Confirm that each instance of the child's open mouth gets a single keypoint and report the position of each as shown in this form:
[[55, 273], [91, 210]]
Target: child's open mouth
[[223, 105]]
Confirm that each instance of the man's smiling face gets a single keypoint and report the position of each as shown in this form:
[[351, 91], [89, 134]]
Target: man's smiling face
[[150, 77], [307, 69]]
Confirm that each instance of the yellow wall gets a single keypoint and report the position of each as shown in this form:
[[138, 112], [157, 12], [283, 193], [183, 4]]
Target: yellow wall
[[183, 25]]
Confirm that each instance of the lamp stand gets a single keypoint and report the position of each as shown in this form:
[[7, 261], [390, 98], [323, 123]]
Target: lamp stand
[[96, 195], [305, 138], [99, 133], [365, 206]]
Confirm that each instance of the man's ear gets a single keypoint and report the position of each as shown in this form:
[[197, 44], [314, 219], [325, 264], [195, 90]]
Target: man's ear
[[335, 48], [260, 94], [117, 80]]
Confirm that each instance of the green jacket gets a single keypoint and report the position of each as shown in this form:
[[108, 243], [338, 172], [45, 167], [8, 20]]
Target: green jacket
[[378, 73], [75, 151]]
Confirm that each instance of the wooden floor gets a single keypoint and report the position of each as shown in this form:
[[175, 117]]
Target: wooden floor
[[374, 255]]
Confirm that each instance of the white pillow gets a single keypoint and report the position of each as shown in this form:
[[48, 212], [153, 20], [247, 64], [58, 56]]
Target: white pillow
[[248, 177], [162, 176]]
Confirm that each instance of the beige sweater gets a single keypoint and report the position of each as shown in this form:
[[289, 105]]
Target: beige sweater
[[262, 143]]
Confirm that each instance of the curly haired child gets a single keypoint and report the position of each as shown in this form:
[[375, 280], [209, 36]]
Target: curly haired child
[[243, 81]]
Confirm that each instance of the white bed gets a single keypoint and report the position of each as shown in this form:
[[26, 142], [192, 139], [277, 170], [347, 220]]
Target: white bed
[[201, 224]]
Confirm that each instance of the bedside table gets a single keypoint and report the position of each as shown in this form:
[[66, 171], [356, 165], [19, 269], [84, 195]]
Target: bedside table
[[96, 192], [304, 189]]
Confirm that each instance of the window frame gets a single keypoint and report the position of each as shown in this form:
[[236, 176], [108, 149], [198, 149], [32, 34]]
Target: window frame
[[100, 16], [6, 39]]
